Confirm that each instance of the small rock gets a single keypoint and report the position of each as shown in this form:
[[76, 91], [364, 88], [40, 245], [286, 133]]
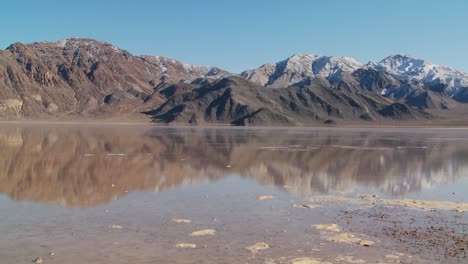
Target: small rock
[[38, 260], [116, 227], [51, 254], [366, 243], [327, 227], [203, 232], [308, 206], [181, 221], [308, 261], [186, 245], [257, 247], [264, 197]]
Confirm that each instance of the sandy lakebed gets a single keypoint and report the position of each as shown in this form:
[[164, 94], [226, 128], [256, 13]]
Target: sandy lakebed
[[137, 194]]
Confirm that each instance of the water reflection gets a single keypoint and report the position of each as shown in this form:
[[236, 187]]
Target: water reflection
[[86, 166]]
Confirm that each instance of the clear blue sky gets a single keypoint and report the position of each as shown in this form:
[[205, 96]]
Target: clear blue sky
[[242, 34]]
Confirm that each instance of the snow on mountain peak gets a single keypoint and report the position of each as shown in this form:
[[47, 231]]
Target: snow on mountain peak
[[299, 66], [323, 65], [310, 66], [402, 64], [409, 68]]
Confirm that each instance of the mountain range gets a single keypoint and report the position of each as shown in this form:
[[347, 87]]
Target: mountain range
[[86, 79]]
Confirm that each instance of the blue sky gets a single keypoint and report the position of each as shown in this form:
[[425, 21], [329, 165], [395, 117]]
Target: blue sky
[[242, 34]]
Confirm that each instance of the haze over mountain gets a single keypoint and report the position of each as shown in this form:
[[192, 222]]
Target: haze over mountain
[[82, 78]]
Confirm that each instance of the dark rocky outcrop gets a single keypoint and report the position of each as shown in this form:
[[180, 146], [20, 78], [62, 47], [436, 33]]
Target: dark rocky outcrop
[[237, 101]]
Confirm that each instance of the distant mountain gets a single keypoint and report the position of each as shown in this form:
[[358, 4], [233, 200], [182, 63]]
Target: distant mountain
[[82, 78], [417, 70], [298, 67], [399, 77], [237, 101], [301, 66]]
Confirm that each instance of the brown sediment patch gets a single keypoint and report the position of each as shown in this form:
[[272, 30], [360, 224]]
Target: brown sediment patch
[[349, 259], [265, 197], [327, 227], [417, 204], [204, 232], [427, 205], [329, 198], [391, 256], [349, 239], [185, 245], [257, 247], [367, 196], [307, 260], [181, 221], [367, 199], [440, 240]]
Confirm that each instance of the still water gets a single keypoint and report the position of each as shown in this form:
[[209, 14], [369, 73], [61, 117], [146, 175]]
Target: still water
[[62, 188]]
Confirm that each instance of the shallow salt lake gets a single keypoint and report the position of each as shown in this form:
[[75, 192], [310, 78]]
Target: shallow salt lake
[[108, 194]]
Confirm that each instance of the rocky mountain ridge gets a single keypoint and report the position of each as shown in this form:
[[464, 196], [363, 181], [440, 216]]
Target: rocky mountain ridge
[[82, 78]]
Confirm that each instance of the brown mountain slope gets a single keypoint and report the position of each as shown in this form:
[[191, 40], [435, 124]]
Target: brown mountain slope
[[237, 101], [84, 78]]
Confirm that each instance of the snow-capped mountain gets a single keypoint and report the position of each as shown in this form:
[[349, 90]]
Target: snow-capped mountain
[[417, 70], [299, 67]]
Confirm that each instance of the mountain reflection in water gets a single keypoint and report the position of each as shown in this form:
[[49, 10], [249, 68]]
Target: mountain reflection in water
[[86, 166]]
